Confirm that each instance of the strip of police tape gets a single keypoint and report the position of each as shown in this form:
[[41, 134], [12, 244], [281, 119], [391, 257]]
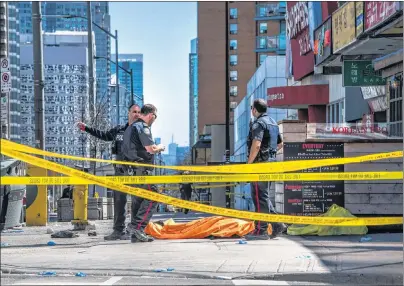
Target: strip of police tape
[[260, 168], [154, 196], [236, 178]]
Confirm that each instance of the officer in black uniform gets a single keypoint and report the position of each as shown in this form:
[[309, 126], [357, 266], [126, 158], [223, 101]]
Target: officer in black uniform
[[138, 146], [116, 136], [186, 191], [263, 140]]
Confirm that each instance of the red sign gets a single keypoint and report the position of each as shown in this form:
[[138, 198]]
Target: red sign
[[297, 18], [378, 11], [302, 95]]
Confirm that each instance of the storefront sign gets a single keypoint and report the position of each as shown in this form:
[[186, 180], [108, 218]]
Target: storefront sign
[[297, 19], [359, 18], [322, 42], [298, 95], [343, 26], [364, 130], [361, 73], [304, 42], [369, 92], [313, 198], [378, 11], [378, 104]]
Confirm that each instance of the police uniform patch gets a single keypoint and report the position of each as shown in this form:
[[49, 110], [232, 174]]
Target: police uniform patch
[[146, 131], [255, 125]]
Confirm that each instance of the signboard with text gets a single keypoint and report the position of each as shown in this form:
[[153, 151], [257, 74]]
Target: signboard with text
[[343, 26], [361, 73], [359, 18], [322, 42], [376, 12], [313, 198], [348, 131]]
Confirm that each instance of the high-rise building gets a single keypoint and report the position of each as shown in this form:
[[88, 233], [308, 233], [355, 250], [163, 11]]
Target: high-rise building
[[124, 103], [100, 16], [255, 30], [66, 92], [132, 62], [10, 49], [193, 93]]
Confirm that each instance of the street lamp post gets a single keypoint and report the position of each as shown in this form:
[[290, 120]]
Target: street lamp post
[[130, 72]]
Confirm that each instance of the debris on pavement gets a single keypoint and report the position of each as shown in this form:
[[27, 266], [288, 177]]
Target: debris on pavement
[[241, 242], [366, 239], [5, 244], [91, 226], [51, 243], [12, 231], [80, 274], [304, 256], [64, 234], [47, 273], [49, 230], [163, 270], [92, 233]]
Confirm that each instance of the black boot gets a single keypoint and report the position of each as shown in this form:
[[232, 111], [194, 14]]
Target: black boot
[[141, 236], [115, 235], [277, 229]]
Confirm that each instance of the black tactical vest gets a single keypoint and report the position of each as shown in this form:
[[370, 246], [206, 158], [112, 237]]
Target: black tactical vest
[[269, 140]]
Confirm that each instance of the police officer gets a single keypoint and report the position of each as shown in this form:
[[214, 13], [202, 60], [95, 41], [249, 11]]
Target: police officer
[[138, 146], [263, 140], [186, 191], [116, 136]]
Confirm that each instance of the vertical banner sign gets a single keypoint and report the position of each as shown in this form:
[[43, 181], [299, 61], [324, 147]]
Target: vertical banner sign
[[343, 26], [313, 198], [359, 18]]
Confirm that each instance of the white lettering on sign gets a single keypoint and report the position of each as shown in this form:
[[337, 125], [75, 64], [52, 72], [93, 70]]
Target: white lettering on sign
[[297, 19], [304, 43], [276, 96]]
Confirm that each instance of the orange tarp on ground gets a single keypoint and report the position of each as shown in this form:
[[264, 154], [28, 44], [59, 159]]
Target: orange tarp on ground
[[216, 226]]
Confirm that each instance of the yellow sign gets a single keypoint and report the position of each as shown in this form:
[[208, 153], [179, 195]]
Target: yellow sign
[[154, 196], [343, 26]]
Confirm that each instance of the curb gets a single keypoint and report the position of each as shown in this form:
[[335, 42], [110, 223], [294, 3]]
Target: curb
[[333, 278]]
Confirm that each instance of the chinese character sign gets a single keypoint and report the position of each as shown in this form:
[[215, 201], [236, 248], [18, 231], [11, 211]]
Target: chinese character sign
[[343, 26], [361, 73], [378, 11]]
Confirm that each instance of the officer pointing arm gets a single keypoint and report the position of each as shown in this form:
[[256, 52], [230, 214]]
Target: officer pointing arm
[[116, 136]]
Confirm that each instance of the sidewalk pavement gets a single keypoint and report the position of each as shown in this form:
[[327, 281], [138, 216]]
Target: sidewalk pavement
[[342, 259]]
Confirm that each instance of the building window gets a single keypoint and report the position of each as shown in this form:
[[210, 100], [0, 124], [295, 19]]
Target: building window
[[262, 58], [233, 13], [233, 75], [262, 43], [233, 60], [233, 44], [283, 28], [233, 29], [233, 90], [263, 28], [335, 112]]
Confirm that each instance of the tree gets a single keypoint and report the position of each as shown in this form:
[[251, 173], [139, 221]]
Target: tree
[[100, 121]]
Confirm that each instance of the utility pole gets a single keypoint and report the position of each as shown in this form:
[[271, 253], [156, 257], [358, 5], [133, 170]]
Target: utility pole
[[39, 102], [117, 77], [131, 87], [90, 51], [227, 152], [91, 96]]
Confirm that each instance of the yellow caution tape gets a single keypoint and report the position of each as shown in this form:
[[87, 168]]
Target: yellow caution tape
[[347, 176], [260, 168], [153, 196], [197, 187]]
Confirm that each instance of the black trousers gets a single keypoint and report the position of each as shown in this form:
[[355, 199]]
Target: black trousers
[[142, 209], [262, 204], [120, 201]]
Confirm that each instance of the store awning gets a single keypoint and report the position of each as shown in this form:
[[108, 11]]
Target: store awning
[[296, 97]]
